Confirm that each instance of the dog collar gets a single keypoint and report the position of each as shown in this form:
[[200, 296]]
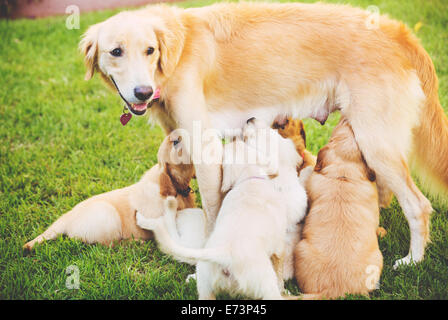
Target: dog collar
[[185, 193]]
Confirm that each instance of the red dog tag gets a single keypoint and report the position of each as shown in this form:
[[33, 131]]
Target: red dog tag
[[125, 117]]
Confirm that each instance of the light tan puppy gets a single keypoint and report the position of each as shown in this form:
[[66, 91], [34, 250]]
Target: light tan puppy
[[110, 216], [222, 64], [294, 130], [339, 251]]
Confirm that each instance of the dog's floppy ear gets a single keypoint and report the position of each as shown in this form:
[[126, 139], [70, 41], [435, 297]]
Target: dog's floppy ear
[[271, 168], [227, 180], [166, 185], [171, 42], [89, 48], [371, 175], [320, 160]]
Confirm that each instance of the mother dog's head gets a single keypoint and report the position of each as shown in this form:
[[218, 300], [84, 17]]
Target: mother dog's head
[[135, 52]]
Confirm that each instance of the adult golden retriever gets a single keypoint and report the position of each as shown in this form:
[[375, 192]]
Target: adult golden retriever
[[224, 63]]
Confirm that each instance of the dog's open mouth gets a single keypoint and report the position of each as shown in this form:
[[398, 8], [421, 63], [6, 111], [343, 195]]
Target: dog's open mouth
[[138, 109]]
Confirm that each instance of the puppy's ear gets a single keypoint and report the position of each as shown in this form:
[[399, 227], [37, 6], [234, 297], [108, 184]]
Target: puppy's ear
[[89, 48], [320, 160], [166, 185], [171, 42], [371, 175], [227, 179], [269, 164]]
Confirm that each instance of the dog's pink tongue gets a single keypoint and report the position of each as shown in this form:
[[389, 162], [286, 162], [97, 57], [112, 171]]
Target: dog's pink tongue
[[139, 107]]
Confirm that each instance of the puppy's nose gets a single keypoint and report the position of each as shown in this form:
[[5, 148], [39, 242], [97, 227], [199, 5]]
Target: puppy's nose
[[143, 92], [250, 120]]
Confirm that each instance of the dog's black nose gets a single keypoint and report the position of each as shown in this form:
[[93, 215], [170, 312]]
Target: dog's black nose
[[143, 92], [250, 120]]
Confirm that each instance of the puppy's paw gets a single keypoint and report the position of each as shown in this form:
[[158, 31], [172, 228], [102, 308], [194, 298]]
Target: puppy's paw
[[145, 223], [170, 204], [28, 246], [381, 232], [191, 277], [404, 262]]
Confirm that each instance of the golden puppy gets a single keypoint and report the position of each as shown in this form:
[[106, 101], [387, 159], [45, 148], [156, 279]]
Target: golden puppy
[[293, 129], [339, 251], [110, 216]]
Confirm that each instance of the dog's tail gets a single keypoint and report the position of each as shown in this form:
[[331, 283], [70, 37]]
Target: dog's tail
[[430, 153], [189, 255]]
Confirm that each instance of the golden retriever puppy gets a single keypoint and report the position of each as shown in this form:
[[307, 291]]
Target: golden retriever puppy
[[339, 251], [223, 63], [259, 135], [294, 129], [110, 216], [250, 231]]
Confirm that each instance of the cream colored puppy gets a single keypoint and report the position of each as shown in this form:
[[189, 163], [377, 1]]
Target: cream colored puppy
[[110, 216], [259, 135], [249, 231]]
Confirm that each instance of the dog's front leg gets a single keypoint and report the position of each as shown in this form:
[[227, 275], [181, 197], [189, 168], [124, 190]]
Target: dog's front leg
[[190, 112], [277, 263]]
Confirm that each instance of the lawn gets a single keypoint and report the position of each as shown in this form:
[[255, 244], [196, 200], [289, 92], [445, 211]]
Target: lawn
[[62, 142]]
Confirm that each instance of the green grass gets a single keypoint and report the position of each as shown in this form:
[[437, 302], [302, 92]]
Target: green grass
[[61, 142]]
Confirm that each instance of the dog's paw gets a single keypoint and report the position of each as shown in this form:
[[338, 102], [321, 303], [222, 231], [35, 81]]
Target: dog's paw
[[170, 204], [27, 247], [145, 223], [404, 262], [381, 232], [191, 277]]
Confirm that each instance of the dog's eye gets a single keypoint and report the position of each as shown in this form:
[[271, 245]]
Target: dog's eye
[[117, 52], [149, 51], [176, 142]]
